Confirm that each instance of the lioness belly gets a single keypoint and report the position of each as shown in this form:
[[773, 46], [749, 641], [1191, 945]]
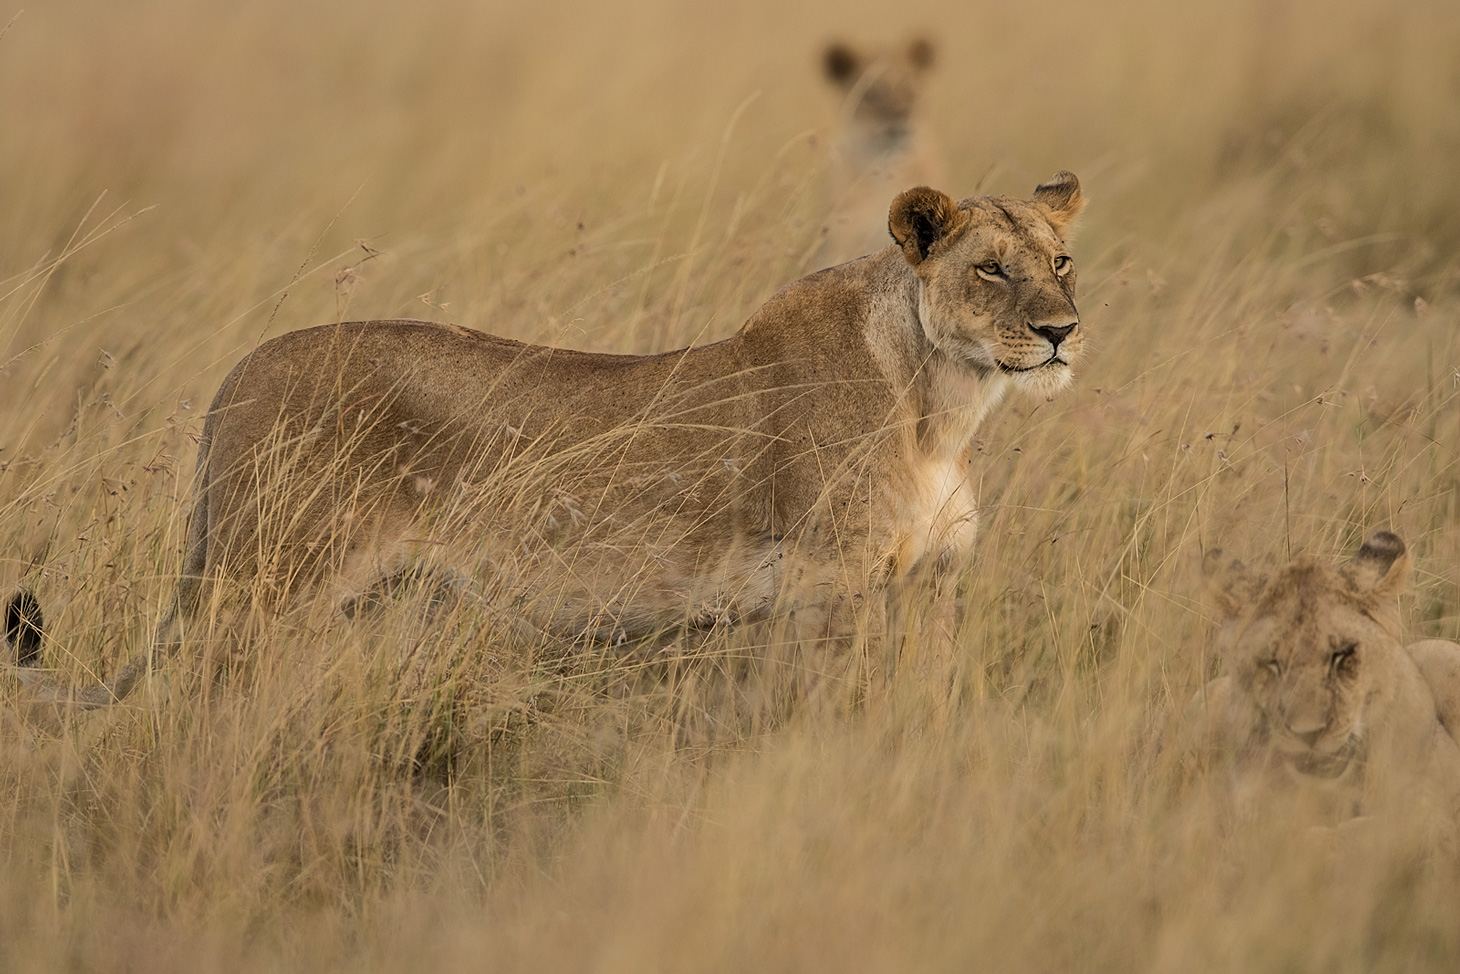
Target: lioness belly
[[631, 596], [610, 589]]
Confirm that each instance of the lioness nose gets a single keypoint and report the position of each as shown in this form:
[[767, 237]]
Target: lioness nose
[[1054, 334]]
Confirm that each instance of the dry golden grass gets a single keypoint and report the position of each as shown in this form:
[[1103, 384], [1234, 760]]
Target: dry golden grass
[[1269, 278]]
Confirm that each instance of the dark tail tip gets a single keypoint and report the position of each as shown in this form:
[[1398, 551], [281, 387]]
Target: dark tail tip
[[23, 627]]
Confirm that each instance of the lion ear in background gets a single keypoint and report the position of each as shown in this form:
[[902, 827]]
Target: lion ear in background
[[921, 53], [1061, 200], [920, 219], [842, 64], [1380, 568], [1231, 586]]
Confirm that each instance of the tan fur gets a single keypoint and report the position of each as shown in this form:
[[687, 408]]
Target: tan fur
[[1319, 691], [881, 145], [805, 461]]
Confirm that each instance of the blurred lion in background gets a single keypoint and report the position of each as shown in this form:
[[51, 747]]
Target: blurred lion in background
[[881, 144]]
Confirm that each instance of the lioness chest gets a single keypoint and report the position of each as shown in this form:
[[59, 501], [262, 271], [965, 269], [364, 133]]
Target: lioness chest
[[935, 515]]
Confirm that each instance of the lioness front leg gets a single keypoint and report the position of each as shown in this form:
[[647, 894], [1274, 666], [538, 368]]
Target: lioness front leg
[[843, 640], [923, 617]]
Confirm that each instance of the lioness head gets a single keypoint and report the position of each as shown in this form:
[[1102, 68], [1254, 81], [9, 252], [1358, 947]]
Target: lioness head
[[998, 282], [1310, 645], [882, 87]]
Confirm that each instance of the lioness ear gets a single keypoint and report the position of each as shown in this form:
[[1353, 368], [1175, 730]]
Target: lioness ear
[[921, 53], [842, 64], [1062, 201], [922, 218], [1231, 585], [1380, 567]]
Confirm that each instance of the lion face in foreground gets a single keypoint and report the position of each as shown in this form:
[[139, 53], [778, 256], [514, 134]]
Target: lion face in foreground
[[999, 282], [1319, 685]]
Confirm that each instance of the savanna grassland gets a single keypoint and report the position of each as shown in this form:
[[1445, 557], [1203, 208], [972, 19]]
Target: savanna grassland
[[1270, 280]]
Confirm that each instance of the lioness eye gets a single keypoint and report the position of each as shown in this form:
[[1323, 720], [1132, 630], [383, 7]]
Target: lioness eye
[[990, 268], [1343, 658], [1273, 666], [1062, 264]]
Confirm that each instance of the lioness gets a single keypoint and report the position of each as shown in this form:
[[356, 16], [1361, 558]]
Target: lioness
[[880, 144], [806, 460], [1320, 692]]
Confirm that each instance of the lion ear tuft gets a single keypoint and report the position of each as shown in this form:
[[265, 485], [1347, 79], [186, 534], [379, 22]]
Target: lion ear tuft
[[842, 63], [1062, 201], [920, 219], [1231, 585], [1380, 567]]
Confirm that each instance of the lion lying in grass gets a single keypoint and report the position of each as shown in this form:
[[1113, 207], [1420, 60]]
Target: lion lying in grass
[[803, 463], [1320, 692]]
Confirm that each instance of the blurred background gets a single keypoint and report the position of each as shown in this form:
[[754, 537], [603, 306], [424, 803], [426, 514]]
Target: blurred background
[[1269, 268]]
